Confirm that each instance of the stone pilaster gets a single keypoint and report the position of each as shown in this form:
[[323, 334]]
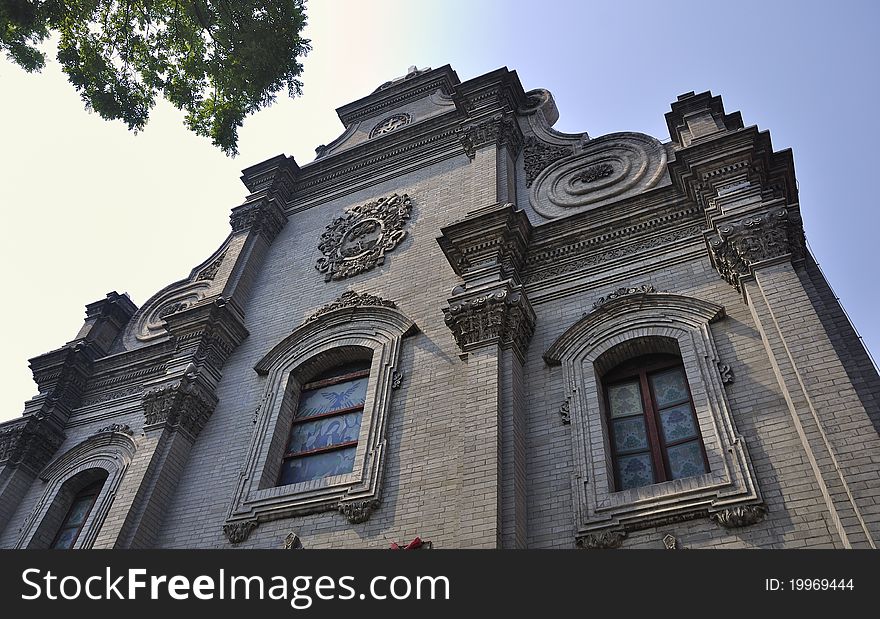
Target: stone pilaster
[[492, 322], [755, 240]]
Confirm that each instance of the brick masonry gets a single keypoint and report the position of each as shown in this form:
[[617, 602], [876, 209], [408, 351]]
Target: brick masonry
[[477, 454]]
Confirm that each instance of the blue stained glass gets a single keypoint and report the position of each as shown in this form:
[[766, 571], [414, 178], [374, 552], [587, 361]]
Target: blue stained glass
[[325, 432], [332, 398], [629, 434], [686, 460], [78, 511], [634, 471], [316, 466], [669, 387], [678, 423], [625, 399], [66, 538]]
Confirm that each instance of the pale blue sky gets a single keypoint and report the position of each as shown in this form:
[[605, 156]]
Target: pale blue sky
[[89, 207]]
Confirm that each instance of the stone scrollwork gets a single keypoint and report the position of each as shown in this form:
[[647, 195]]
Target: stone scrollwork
[[350, 298], [600, 539], [622, 292], [185, 404], [736, 246], [739, 516], [607, 169], [537, 155], [358, 241], [565, 412], [726, 373], [390, 124]]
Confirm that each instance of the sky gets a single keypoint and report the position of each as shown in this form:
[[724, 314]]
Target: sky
[[88, 207]]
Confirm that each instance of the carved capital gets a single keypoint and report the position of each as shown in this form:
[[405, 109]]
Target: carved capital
[[739, 516], [358, 240], [30, 442], [185, 404], [358, 511], [600, 539], [500, 129], [737, 247], [263, 216], [502, 316], [237, 532]]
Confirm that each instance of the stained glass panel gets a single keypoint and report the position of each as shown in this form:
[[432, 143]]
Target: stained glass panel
[[332, 398], [625, 399], [635, 471], [678, 423], [66, 538], [316, 466], [669, 387], [629, 434], [78, 511], [686, 460], [325, 432]]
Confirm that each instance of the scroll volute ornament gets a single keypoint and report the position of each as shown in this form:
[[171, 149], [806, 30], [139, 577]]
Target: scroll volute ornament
[[358, 241]]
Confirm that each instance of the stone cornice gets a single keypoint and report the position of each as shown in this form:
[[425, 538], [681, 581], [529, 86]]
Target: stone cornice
[[489, 242], [398, 93]]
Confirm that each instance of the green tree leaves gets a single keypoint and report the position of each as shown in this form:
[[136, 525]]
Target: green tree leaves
[[218, 60]]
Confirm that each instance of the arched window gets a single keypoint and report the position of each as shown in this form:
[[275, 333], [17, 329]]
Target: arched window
[[654, 433], [78, 514], [324, 432]]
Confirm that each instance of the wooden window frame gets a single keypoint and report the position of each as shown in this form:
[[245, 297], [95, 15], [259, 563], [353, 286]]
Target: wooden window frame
[[93, 490], [642, 368], [317, 384]]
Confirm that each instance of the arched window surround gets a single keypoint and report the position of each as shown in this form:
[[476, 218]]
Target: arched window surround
[[107, 450], [637, 324], [329, 338]]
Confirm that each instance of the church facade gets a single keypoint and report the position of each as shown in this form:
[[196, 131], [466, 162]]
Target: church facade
[[460, 325]]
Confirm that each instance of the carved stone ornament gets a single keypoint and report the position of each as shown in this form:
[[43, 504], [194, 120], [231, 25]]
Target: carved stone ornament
[[537, 155], [739, 516], [32, 442], [358, 511], [292, 542], [116, 427], [500, 129], [358, 241], [735, 246], [565, 412], [600, 539], [350, 298], [595, 173], [726, 373], [670, 542], [502, 316], [183, 404], [262, 216], [396, 379], [210, 271], [390, 124], [608, 169], [237, 532], [622, 292]]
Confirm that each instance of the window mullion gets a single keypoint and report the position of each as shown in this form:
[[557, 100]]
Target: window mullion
[[653, 429]]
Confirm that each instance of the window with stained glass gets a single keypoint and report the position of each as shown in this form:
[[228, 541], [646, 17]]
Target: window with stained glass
[[76, 517], [324, 433], [655, 436]]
